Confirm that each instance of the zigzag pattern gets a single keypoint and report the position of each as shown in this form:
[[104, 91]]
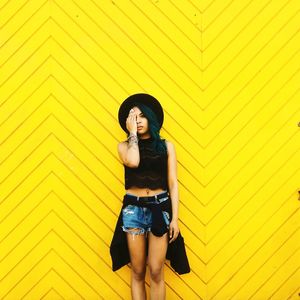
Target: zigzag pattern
[[227, 75]]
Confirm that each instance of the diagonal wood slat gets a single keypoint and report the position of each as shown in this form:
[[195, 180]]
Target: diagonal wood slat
[[227, 74]]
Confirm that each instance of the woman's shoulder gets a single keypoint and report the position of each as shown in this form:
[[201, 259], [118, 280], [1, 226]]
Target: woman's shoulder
[[168, 143], [170, 146]]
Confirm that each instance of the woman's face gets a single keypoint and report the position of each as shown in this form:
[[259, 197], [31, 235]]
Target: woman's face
[[142, 122]]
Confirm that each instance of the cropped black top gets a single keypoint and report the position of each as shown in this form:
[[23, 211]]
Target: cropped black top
[[152, 170]]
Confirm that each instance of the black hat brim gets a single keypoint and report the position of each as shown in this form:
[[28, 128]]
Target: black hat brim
[[134, 100]]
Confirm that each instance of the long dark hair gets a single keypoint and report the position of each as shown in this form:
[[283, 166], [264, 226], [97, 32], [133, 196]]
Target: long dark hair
[[158, 144]]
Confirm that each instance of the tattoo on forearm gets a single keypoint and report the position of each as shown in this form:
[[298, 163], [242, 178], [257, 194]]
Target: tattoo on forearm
[[132, 140]]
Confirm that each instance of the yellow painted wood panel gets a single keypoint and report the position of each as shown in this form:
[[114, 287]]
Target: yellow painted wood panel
[[227, 75]]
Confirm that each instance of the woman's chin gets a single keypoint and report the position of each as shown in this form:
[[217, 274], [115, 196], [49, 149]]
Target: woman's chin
[[143, 134]]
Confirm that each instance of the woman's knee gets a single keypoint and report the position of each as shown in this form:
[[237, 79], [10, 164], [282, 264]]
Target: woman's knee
[[138, 273], [156, 273]]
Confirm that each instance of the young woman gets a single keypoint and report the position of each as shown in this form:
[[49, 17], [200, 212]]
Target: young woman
[[149, 216]]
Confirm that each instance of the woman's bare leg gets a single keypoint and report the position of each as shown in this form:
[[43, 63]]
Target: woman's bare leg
[[156, 259], [137, 251]]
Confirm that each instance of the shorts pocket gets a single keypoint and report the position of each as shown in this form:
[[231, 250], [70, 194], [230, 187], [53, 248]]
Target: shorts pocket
[[128, 210]]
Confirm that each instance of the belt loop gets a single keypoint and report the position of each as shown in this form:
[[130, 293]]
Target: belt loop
[[156, 198], [138, 198]]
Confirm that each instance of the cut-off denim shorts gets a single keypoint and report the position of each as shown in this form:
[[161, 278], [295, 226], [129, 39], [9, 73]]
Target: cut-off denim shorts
[[140, 218]]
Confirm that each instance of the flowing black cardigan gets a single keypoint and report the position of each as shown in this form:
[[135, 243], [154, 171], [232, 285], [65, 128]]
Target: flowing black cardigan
[[176, 250]]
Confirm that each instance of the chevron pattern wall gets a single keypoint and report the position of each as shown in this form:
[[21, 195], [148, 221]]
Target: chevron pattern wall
[[227, 74]]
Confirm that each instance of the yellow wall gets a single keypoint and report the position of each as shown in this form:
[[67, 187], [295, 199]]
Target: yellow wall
[[227, 75]]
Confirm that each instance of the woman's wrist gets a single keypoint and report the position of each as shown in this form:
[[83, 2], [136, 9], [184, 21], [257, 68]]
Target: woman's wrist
[[131, 132], [132, 138]]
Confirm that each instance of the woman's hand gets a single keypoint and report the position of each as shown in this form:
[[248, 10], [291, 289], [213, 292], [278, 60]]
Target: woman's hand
[[131, 124], [173, 231]]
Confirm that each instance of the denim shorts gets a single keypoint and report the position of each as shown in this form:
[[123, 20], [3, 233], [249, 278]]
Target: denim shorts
[[140, 218]]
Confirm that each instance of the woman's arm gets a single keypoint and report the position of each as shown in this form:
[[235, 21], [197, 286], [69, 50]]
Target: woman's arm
[[129, 151], [173, 190]]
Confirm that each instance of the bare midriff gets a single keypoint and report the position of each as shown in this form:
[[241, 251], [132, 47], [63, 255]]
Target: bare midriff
[[143, 192]]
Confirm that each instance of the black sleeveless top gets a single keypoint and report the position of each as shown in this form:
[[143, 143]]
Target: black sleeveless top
[[152, 170]]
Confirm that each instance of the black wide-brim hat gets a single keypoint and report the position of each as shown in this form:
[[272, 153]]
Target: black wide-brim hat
[[134, 100]]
